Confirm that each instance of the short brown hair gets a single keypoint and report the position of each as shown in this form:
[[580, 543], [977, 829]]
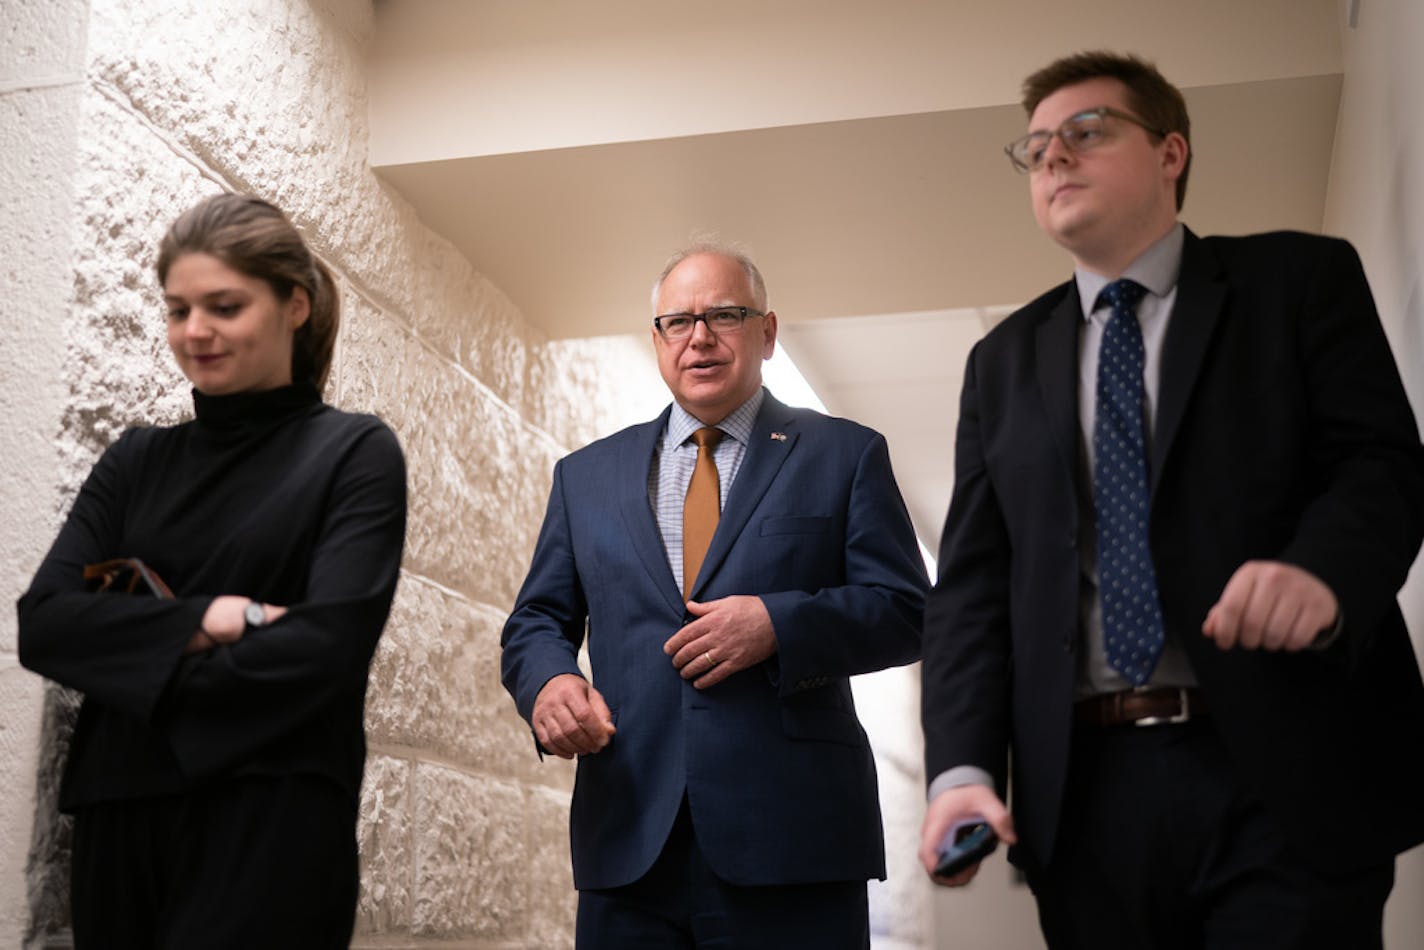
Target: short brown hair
[[255, 238], [1155, 100]]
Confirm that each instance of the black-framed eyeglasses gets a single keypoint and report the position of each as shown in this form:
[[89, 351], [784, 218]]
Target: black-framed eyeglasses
[[679, 326], [1079, 133]]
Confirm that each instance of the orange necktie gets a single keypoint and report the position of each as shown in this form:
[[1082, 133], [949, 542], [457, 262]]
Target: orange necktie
[[702, 508]]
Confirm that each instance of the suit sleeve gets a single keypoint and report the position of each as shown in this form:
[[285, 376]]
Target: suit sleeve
[[223, 704], [542, 637], [118, 649], [872, 620], [1361, 530], [964, 690]]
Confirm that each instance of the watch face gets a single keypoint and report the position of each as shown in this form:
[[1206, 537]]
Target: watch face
[[254, 614]]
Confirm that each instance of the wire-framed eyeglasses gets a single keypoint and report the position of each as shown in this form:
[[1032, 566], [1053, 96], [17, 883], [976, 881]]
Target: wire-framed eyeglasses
[[1079, 133]]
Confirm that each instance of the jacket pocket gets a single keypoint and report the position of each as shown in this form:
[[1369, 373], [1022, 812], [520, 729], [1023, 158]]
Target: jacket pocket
[[797, 525], [822, 724]]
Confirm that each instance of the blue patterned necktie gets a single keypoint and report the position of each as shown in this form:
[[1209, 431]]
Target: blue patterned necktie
[[1132, 614]]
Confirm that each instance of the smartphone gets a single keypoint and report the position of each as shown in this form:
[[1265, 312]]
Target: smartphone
[[967, 842]]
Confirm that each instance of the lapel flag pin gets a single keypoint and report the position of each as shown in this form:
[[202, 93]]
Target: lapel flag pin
[[779, 436]]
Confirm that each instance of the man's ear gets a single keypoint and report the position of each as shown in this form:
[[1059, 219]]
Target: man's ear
[[1175, 151], [768, 333]]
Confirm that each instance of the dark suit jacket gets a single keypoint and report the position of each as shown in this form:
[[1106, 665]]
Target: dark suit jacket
[[1282, 432], [774, 763]]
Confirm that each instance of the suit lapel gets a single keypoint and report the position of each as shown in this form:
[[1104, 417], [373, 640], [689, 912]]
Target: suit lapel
[[1056, 360], [766, 453], [1201, 292], [635, 468]]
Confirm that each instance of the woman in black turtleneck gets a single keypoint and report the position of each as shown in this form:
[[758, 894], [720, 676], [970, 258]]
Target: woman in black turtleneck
[[216, 765]]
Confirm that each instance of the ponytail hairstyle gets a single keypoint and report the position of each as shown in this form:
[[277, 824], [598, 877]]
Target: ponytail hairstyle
[[255, 238]]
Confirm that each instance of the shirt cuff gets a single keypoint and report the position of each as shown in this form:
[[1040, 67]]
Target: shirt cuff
[[957, 776]]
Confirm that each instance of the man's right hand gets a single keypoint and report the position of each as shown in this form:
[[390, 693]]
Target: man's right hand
[[955, 804], [570, 717]]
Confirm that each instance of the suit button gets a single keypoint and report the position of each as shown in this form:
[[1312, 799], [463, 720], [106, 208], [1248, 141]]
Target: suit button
[[1068, 644]]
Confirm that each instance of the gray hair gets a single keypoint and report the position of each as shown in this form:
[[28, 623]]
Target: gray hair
[[721, 248]]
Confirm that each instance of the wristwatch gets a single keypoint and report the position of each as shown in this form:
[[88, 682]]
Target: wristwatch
[[254, 615]]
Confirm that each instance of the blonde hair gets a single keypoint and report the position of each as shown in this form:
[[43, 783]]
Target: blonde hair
[[721, 249]]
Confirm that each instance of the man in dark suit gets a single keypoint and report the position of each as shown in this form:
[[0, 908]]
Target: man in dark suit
[[1183, 509], [734, 563]]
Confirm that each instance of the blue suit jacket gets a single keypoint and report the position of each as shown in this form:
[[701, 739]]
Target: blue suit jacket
[[776, 768]]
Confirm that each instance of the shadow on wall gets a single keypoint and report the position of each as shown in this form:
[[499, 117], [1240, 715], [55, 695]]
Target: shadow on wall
[[47, 868]]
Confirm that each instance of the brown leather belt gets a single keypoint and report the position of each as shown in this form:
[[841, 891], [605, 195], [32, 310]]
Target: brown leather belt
[[1157, 706]]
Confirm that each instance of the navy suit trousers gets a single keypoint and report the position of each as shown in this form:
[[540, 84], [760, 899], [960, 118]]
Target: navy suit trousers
[[680, 903]]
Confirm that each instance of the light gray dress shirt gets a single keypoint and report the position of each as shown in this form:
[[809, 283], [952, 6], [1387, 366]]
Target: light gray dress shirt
[[675, 456], [1156, 269]]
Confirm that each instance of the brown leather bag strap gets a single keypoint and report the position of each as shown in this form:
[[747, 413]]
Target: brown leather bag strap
[[125, 574]]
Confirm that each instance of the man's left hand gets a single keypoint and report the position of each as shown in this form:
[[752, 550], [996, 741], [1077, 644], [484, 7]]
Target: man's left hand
[[1271, 605], [727, 636]]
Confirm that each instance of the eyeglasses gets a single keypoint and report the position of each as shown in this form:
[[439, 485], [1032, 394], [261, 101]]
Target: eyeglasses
[[679, 326], [1079, 133]]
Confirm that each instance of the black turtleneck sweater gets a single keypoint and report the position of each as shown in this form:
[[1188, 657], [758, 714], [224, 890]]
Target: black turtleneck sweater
[[273, 496]]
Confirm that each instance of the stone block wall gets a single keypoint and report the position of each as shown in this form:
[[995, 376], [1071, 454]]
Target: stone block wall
[[41, 87], [116, 117]]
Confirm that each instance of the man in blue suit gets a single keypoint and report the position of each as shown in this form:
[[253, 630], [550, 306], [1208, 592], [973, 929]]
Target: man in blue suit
[[726, 793]]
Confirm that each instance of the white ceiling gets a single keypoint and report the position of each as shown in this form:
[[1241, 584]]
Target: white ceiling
[[566, 148]]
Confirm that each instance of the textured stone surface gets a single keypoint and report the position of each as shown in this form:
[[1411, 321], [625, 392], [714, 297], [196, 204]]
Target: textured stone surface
[[41, 42], [254, 119], [435, 687], [384, 834], [580, 390], [268, 93], [470, 867], [120, 371], [549, 876], [38, 132], [21, 699], [478, 476], [467, 319], [47, 876], [41, 95]]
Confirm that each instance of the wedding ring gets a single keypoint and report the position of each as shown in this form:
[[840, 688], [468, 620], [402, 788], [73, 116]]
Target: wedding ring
[[708, 657]]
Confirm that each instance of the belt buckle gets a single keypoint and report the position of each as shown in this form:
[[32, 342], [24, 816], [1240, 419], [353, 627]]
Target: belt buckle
[[1180, 716]]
